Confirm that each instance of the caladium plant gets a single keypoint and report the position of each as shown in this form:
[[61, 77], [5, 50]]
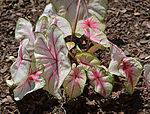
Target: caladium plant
[[43, 61]]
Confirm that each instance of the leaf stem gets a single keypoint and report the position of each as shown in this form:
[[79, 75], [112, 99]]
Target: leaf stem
[[105, 60], [76, 18], [88, 44], [73, 57]]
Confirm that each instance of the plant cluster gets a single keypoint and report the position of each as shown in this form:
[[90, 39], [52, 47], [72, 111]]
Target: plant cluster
[[43, 61]]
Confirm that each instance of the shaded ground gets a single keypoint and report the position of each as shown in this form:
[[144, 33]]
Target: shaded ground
[[128, 26]]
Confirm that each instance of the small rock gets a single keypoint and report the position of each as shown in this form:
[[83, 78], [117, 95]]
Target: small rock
[[143, 42], [4, 69], [147, 35], [136, 13], [9, 98]]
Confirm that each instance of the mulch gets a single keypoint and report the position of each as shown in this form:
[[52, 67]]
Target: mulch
[[128, 26]]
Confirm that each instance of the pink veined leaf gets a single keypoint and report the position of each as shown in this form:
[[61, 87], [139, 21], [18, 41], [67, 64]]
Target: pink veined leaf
[[75, 81], [101, 80], [20, 67], [32, 82], [131, 69], [147, 75], [53, 54], [87, 60], [92, 23]]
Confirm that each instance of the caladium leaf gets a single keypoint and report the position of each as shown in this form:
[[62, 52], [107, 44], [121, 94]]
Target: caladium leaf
[[92, 23], [32, 82], [131, 69], [147, 75], [98, 8], [20, 67], [101, 80], [42, 25], [49, 12], [24, 30], [52, 53], [75, 81], [64, 25], [99, 38], [66, 8], [117, 56], [87, 60], [70, 45]]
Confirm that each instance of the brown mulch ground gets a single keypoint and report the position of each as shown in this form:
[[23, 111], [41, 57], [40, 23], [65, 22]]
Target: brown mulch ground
[[128, 26]]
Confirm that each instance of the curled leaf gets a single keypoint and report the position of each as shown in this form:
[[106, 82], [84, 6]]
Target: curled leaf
[[53, 54], [63, 24], [131, 69], [70, 45], [75, 81], [147, 75], [42, 25], [24, 30], [101, 80], [117, 56], [87, 60], [49, 12]]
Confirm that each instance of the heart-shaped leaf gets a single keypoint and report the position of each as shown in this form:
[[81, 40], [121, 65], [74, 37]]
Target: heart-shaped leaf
[[131, 69], [87, 60], [117, 56], [66, 8], [147, 75], [75, 81], [53, 54], [101, 80]]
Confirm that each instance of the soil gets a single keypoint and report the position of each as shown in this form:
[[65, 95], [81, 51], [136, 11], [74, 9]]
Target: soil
[[128, 26]]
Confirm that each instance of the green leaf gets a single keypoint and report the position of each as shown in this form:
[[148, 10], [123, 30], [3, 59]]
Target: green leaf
[[87, 60], [70, 45]]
